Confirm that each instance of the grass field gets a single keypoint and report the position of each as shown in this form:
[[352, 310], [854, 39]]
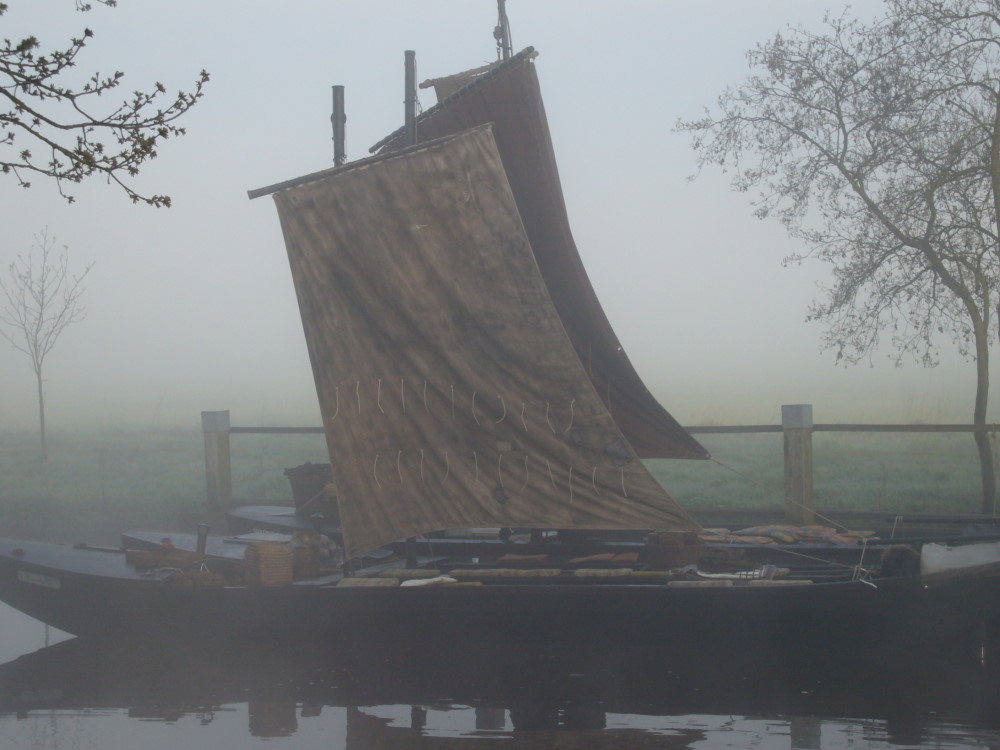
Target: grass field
[[96, 484], [906, 473]]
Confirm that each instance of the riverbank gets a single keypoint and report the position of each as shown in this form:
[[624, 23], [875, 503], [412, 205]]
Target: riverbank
[[98, 483]]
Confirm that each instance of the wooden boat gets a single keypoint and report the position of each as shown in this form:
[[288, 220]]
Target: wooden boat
[[94, 591], [468, 378], [420, 334]]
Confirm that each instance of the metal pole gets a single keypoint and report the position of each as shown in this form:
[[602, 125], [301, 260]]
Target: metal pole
[[502, 32], [410, 100], [339, 120], [410, 138]]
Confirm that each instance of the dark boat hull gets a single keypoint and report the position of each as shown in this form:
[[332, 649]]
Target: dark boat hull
[[94, 592]]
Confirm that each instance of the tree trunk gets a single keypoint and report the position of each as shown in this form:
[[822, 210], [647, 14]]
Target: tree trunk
[[41, 416], [983, 443], [985, 448]]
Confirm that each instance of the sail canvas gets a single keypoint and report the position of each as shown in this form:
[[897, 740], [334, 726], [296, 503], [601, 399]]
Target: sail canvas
[[450, 392], [509, 97]]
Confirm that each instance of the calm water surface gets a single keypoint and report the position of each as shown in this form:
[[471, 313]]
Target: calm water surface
[[69, 694]]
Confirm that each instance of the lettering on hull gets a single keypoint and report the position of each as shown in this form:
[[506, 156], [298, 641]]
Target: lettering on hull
[[37, 579]]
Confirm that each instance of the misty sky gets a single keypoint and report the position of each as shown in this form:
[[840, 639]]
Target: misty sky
[[192, 307]]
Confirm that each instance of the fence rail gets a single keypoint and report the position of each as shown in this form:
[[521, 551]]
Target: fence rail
[[753, 428], [796, 425]]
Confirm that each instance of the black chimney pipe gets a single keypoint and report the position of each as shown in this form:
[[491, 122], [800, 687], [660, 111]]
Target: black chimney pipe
[[410, 100], [339, 121]]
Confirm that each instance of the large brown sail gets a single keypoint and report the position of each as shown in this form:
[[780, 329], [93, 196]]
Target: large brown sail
[[509, 97], [450, 393]]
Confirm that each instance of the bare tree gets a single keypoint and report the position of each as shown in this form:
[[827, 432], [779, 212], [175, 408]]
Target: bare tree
[[878, 145], [42, 298], [77, 131]]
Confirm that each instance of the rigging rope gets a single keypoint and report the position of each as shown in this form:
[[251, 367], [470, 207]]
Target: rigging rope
[[771, 491], [860, 573]]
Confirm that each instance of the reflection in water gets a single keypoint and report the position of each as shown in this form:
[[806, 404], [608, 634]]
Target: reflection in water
[[490, 690], [373, 732]]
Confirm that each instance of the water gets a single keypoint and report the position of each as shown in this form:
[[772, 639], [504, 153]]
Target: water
[[475, 695]]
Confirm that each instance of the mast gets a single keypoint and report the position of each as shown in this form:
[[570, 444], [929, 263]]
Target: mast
[[339, 120], [410, 97], [502, 31], [410, 138]]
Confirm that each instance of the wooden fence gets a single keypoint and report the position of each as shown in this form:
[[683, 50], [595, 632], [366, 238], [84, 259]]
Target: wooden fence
[[796, 425]]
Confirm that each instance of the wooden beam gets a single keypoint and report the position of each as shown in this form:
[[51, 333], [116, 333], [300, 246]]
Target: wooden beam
[[218, 465], [797, 423]]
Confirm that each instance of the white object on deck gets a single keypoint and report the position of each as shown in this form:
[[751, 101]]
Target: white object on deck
[[436, 581], [940, 558]]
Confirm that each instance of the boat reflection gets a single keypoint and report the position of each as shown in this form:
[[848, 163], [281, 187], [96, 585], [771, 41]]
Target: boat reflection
[[489, 689]]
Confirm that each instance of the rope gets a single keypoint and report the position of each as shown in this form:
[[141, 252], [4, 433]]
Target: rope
[[813, 558], [859, 571]]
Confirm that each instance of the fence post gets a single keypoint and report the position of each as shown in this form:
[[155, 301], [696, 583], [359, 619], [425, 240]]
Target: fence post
[[797, 423], [218, 469]]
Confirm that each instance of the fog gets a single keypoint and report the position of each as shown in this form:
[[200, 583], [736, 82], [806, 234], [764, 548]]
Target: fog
[[192, 307]]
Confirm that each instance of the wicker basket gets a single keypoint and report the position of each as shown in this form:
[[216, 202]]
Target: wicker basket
[[268, 564]]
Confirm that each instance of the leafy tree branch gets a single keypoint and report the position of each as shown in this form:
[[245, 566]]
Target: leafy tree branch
[[70, 132]]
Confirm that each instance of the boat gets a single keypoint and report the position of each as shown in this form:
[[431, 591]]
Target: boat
[[468, 378], [506, 98]]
